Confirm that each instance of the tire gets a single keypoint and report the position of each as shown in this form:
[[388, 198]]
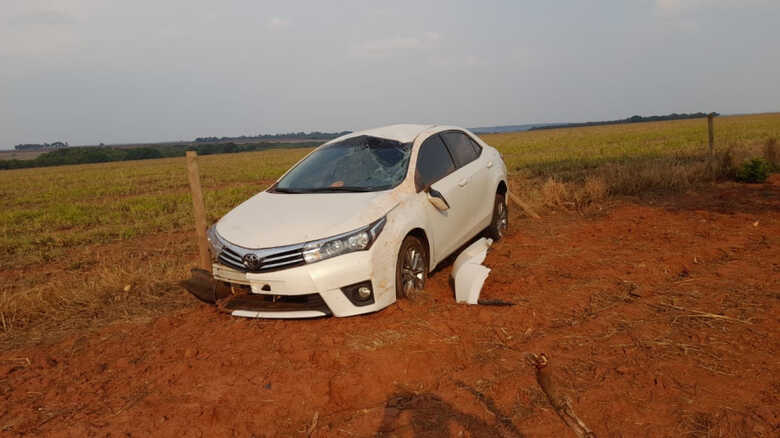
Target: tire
[[500, 222], [411, 268]]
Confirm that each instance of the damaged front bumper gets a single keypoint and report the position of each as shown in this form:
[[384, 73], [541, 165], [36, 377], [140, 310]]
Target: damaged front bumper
[[274, 306], [326, 288], [235, 300]]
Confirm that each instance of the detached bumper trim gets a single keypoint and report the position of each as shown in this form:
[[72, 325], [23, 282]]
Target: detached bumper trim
[[280, 315], [270, 306]]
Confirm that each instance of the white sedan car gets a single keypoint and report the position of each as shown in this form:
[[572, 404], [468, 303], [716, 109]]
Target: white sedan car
[[359, 222]]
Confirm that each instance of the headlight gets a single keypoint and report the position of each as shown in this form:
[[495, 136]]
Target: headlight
[[215, 243], [358, 240]]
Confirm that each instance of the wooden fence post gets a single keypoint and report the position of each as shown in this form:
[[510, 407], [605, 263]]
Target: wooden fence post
[[199, 210], [711, 132]]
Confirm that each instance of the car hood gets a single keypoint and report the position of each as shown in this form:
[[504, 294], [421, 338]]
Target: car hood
[[268, 219]]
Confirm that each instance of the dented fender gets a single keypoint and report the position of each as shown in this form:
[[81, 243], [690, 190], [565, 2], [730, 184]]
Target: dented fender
[[402, 220]]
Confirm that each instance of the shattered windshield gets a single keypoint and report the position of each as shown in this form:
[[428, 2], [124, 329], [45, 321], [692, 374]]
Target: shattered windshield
[[357, 164]]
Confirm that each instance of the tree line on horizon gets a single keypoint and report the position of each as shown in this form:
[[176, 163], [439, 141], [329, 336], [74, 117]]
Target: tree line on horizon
[[41, 146], [632, 119], [313, 135], [91, 154]]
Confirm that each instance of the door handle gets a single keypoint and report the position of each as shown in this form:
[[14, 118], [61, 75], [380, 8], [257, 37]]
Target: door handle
[[490, 164], [463, 182]]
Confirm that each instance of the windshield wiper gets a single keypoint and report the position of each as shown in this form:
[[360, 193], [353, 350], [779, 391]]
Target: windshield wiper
[[281, 190], [340, 189]]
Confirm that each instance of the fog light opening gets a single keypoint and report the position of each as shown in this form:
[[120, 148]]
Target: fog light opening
[[363, 293], [359, 294]]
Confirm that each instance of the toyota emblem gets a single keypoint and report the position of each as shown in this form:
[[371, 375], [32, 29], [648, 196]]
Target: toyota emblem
[[252, 261]]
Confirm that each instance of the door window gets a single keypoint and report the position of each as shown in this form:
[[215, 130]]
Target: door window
[[461, 147], [433, 163], [477, 147]]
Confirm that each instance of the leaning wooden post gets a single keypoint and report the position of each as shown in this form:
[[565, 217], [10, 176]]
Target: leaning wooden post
[[199, 210], [526, 208], [711, 132]]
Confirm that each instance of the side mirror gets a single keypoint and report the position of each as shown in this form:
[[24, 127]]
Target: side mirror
[[437, 199]]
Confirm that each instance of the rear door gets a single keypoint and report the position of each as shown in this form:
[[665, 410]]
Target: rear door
[[473, 179]]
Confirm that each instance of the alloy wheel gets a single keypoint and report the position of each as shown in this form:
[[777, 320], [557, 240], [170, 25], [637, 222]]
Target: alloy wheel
[[413, 270], [502, 217]]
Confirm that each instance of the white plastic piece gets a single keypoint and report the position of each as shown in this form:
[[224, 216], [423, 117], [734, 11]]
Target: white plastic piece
[[469, 281], [278, 315], [474, 253], [469, 273]]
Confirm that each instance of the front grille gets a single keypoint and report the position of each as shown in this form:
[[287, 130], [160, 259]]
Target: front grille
[[231, 259], [283, 259], [272, 259]]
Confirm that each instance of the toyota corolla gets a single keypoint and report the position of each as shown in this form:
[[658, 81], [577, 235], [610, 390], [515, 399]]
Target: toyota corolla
[[359, 222]]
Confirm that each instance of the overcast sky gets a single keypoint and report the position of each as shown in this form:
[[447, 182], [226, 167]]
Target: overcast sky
[[87, 71]]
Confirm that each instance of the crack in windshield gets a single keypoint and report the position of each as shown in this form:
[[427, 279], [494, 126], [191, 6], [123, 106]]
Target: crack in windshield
[[358, 164]]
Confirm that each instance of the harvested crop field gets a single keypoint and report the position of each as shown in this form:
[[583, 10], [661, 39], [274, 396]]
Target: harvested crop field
[[660, 316]]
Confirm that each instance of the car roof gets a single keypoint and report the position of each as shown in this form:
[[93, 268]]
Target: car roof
[[403, 133]]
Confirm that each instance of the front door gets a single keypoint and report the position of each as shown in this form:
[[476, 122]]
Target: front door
[[436, 170]]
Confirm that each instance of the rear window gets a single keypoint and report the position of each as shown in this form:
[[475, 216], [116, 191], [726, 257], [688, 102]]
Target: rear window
[[461, 146]]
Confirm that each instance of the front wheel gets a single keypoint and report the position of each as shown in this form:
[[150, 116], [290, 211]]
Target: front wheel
[[411, 268], [500, 221]]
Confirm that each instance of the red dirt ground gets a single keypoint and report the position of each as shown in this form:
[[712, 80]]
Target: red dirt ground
[[660, 317]]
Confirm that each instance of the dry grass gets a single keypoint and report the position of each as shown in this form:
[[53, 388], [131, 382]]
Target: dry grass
[[660, 175], [375, 341], [595, 188], [108, 283], [772, 152], [554, 193], [19, 155]]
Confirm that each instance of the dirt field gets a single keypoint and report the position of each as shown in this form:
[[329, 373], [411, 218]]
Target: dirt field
[[19, 155], [659, 315]]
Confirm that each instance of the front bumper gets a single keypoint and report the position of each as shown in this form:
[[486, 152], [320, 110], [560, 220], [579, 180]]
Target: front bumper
[[274, 306], [325, 278]]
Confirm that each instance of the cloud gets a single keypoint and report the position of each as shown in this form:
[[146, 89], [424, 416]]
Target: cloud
[[683, 15], [394, 43], [432, 36], [675, 6], [679, 7], [44, 12], [386, 46], [276, 23], [38, 29], [42, 17]]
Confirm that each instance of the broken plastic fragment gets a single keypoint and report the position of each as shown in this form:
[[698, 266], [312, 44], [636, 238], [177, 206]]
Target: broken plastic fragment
[[272, 315], [469, 273], [469, 281]]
